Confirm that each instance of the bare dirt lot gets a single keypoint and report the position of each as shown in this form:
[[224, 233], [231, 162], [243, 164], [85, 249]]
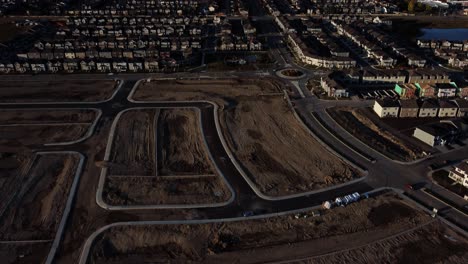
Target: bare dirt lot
[[32, 202], [219, 91], [278, 154], [159, 157], [29, 128], [180, 144], [133, 149], [165, 190], [395, 146], [56, 91], [24, 253], [385, 224]]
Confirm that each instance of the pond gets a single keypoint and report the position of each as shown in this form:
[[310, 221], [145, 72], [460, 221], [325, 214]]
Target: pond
[[444, 34]]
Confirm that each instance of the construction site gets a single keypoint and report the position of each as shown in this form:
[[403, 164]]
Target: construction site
[[383, 228], [197, 170], [279, 155], [164, 162]]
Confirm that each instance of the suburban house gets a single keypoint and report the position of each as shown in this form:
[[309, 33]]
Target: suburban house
[[333, 88], [386, 108], [406, 91], [459, 173], [425, 90], [447, 109], [462, 107], [436, 134], [428, 108], [409, 108], [445, 90]]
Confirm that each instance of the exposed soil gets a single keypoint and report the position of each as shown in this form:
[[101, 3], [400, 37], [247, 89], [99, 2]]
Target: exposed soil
[[17, 116], [32, 203], [165, 190], [223, 92], [133, 149], [360, 126], [32, 128], [24, 253], [180, 144], [183, 174], [56, 91], [278, 154], [284, 238]]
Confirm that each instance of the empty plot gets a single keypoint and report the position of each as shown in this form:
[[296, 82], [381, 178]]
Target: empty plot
[[32, 204], [180, 144], [286, 238], [50, 116], [24, 253], [133, 149], [34, 127], [56, 91], [158, 156], [165, 190], [280, 156], [220, 91]]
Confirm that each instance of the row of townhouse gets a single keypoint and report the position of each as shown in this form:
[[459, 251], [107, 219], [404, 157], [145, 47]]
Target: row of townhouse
[[58, 54], [410, 108], [421, 76], [136, 21], [114, 31], [139, 7], [372, 50], [443, 44], [236, 43], [84, 66], [131, 44], [383, 40], [308, 56], [439, 90]]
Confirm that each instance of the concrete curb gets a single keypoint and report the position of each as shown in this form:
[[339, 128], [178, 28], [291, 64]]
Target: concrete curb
[[66, 212], [325, 145], [88, 134], [378, 152], [340, 140], [102, 178]]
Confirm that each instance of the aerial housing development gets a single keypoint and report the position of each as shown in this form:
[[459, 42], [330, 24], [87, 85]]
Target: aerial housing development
[[245, 131]]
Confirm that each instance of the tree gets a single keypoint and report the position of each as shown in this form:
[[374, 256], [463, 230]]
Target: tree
[[428, 8], [411, 6]]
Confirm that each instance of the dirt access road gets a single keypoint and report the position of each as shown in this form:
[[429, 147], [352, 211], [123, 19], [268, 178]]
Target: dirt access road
[[56, 91], [385, 224], [277, 153], [159, 157]]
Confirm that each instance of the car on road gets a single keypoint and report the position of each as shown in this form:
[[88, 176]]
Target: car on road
[[247, 213]]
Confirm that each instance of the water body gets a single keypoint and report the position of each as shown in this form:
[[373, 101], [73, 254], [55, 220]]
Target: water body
[[452, 34]]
